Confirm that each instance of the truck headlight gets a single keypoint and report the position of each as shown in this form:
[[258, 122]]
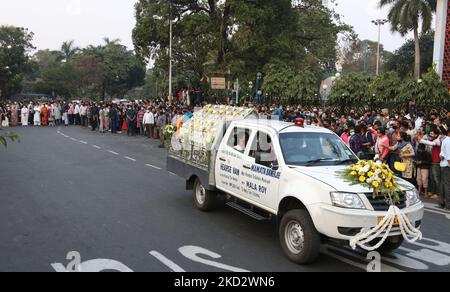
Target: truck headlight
[[413, 197], [347, 200]]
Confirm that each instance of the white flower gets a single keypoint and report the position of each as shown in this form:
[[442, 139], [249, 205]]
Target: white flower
[[365, 169]]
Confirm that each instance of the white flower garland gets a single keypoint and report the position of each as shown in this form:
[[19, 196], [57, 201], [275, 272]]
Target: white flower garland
[[410, 234]]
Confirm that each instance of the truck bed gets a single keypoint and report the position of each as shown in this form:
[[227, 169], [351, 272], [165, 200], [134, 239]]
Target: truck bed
[[187, 169]]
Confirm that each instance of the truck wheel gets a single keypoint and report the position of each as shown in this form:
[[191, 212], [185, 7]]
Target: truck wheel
[[299, 238], [391, 244], [204, 200]]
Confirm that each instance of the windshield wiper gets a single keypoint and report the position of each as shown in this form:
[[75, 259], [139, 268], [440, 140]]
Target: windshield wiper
[[346, 161], [315, 161]]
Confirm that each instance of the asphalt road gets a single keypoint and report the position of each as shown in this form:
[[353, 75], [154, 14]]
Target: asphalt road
[[109, 199]]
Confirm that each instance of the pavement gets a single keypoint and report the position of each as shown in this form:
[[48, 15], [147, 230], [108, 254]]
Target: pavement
[[69, 195]]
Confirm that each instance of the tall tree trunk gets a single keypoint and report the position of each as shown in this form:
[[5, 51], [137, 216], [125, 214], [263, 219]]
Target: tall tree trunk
[[224, 23], [417, 54]]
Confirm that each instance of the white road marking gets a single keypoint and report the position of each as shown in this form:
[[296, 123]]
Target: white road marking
[[112, 152], [73, 139], [438, 212], [97, 265], [428, 256], [172, 173], [129, 158], [193, 252], [96, 147], [83, 142], [326, 250], [152, 166], [170, 264]]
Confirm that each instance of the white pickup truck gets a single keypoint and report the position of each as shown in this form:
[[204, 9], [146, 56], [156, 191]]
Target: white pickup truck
[[287, 171]]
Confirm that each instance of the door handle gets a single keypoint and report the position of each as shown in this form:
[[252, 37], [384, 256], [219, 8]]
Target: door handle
[[247, 166], [222, 159]]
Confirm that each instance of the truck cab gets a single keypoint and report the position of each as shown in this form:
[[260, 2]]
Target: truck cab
[[289, 171]]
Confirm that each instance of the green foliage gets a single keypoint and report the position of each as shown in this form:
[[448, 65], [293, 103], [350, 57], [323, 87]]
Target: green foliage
[[283, 83], [15, 45], [361, 55], [388, 90], [402, 60], [13, 137], [430, 92], [241, 37], [385, 87], [405, 16], [354, 87], [95, 72]]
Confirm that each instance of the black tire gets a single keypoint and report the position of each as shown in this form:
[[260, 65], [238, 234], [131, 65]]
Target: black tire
[[206, 201], [305, 253], [391, 244]]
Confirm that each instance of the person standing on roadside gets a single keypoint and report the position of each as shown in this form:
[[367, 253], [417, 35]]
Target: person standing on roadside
[[113, 119], [83, 115], [149, 123], [95, 117], [160, 124], [24, 116], [131, 121], [77, 114], [445, 168], [433, 143]]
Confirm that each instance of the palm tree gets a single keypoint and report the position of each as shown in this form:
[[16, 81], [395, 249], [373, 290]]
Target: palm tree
[[69, 49], [109, 41], [406, 15]]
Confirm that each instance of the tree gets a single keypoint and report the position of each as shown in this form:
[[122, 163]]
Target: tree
[[402, 60], [284, 83], [69, 49], [13, 137], [429, 92], [236, 36], [406, 15], [351, 89], [361, 55], [15, 45], [60, 80], [385, 88]]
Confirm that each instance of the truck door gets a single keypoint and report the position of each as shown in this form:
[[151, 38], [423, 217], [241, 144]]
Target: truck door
[[229, 161], [261, 172]]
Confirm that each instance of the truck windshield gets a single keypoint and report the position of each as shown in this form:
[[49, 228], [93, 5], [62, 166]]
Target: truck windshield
[[315, 149]]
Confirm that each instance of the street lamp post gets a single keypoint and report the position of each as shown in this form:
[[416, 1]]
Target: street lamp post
[[258, 91], [379, 23], [325, 95], [170, 53]]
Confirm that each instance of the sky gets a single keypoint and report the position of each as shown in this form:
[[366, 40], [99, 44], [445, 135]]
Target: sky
[[89, 21]]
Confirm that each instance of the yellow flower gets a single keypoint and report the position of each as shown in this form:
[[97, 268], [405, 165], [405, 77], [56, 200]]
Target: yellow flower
[[361, 173], [353, 173], [370, 174], [362, 179], [383, 176], [376, 184]]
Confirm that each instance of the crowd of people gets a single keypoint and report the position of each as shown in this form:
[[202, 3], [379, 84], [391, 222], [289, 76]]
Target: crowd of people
[[416, 145]]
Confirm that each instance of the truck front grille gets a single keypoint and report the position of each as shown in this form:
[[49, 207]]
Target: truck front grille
[[380, 204]]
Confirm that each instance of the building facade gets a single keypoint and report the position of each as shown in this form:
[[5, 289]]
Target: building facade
[[442, 40], [446, 66]]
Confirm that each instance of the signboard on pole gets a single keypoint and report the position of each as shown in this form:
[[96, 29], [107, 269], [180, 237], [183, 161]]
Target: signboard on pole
[[218, 83]]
